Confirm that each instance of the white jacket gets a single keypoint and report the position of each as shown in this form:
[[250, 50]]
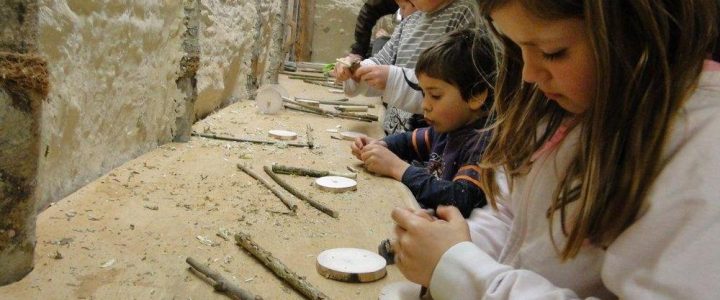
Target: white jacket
[[670, 252]]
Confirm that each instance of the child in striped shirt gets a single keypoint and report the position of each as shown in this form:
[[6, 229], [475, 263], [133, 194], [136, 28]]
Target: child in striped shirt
[[383, 73], [454, 77]]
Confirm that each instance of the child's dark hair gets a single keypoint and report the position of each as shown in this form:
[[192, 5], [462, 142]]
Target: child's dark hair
[[464, 58]]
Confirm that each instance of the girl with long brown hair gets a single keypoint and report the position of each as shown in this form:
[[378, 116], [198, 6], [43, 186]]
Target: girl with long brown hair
[[603, 172]]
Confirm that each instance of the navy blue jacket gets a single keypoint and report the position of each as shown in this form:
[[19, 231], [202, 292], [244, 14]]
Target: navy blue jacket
[[443, 168]]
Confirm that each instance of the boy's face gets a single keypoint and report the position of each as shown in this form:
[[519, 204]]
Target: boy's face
[[443, 106], [429, 5]]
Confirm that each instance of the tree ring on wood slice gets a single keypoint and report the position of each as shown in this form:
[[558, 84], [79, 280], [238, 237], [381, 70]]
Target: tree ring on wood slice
[[282, 134], [401, 290], [351, 265], [351, 135], [336, 184]]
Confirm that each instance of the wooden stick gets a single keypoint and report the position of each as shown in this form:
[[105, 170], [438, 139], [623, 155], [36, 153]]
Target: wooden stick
[[221, 284], [273, 189], [326, 115], [341, 100], [244, 140], [350, 108], [305, 77], [309, 172], [324, 84], [310, 141], [300, 196], [276, 266], [329, 102], [365, 117]]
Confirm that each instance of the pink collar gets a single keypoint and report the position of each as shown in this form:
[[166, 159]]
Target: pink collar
[[557, 137], [711, 66]]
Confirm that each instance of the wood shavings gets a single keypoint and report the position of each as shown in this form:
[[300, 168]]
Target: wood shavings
[[224, 234], [108, 263], [206, 241], [56, 255]]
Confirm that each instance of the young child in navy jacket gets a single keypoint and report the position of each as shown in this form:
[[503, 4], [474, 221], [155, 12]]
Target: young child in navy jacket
[[455, 76]]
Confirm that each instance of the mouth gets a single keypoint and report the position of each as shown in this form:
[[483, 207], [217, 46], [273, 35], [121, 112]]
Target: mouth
[[430, 122], [553, 96]]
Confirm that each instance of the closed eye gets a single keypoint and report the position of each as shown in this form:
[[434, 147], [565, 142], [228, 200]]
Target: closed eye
[[555, 55]]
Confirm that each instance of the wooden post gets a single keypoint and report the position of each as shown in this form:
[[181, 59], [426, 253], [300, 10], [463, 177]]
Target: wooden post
[[24, 84], [277, 50], [303, 43], [187, 82]]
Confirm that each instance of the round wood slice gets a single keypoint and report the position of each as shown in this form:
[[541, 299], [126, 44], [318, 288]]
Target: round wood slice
[[402, 290], [282, 134], [351, 265], [336, 184], [351, 135]]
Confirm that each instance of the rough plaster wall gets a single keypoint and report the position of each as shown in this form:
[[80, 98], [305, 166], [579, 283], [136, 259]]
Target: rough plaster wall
[[334, 28], [228, 37], [113, 68], [15, 28], [18, 164]]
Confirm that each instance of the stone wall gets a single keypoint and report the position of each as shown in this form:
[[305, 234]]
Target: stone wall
[[120, 79], [334, 28]]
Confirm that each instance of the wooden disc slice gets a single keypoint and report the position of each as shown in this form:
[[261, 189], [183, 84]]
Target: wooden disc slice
[[282, 134], [351, 135], [402, 290], [351, 265], [336, 184]]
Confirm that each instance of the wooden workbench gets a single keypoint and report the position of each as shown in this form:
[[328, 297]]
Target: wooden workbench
[[127, 234]]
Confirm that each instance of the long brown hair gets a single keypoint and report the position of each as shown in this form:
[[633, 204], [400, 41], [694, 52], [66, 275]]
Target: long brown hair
[[648, 57]]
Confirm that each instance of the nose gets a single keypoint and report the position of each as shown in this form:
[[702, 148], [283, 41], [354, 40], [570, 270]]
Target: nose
[[533, 71], [426, 105]]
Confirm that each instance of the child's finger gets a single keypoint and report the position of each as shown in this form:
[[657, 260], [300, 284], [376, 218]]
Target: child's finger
[[406, 219], [361, 71], [451, 214]]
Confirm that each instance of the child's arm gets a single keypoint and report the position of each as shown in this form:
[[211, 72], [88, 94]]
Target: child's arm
[[462, 192], [399, 94]]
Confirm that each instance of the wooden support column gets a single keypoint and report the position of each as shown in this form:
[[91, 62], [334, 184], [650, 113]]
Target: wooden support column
[[24, 85], [304, 30], [187, 82]]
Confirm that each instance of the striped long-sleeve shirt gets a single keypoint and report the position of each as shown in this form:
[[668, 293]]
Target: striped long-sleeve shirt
[[421, 30], [444, 170], [415, 34]]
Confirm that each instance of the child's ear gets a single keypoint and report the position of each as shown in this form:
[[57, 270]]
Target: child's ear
[[477, 101]]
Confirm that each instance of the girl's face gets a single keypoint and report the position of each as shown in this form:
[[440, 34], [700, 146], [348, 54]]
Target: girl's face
[[429, 5], [406, 8], [444, 107], [557, 55]]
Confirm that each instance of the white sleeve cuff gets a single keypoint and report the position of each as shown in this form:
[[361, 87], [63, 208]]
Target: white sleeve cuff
[[464, 272]]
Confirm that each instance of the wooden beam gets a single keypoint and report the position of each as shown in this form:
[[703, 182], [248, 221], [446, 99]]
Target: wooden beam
[[303, 43]]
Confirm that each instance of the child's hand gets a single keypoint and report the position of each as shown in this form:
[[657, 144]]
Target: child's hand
[[380, 160], [421, 241], [360, 142], [376, 76], [344, 72]]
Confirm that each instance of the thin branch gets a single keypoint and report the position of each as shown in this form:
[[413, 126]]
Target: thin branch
[[273, 189], [221, 284], [276, 266], [244, 140], [328, 211]]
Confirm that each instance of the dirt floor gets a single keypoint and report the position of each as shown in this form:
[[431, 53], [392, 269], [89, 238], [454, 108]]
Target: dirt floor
[[127, 234]]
